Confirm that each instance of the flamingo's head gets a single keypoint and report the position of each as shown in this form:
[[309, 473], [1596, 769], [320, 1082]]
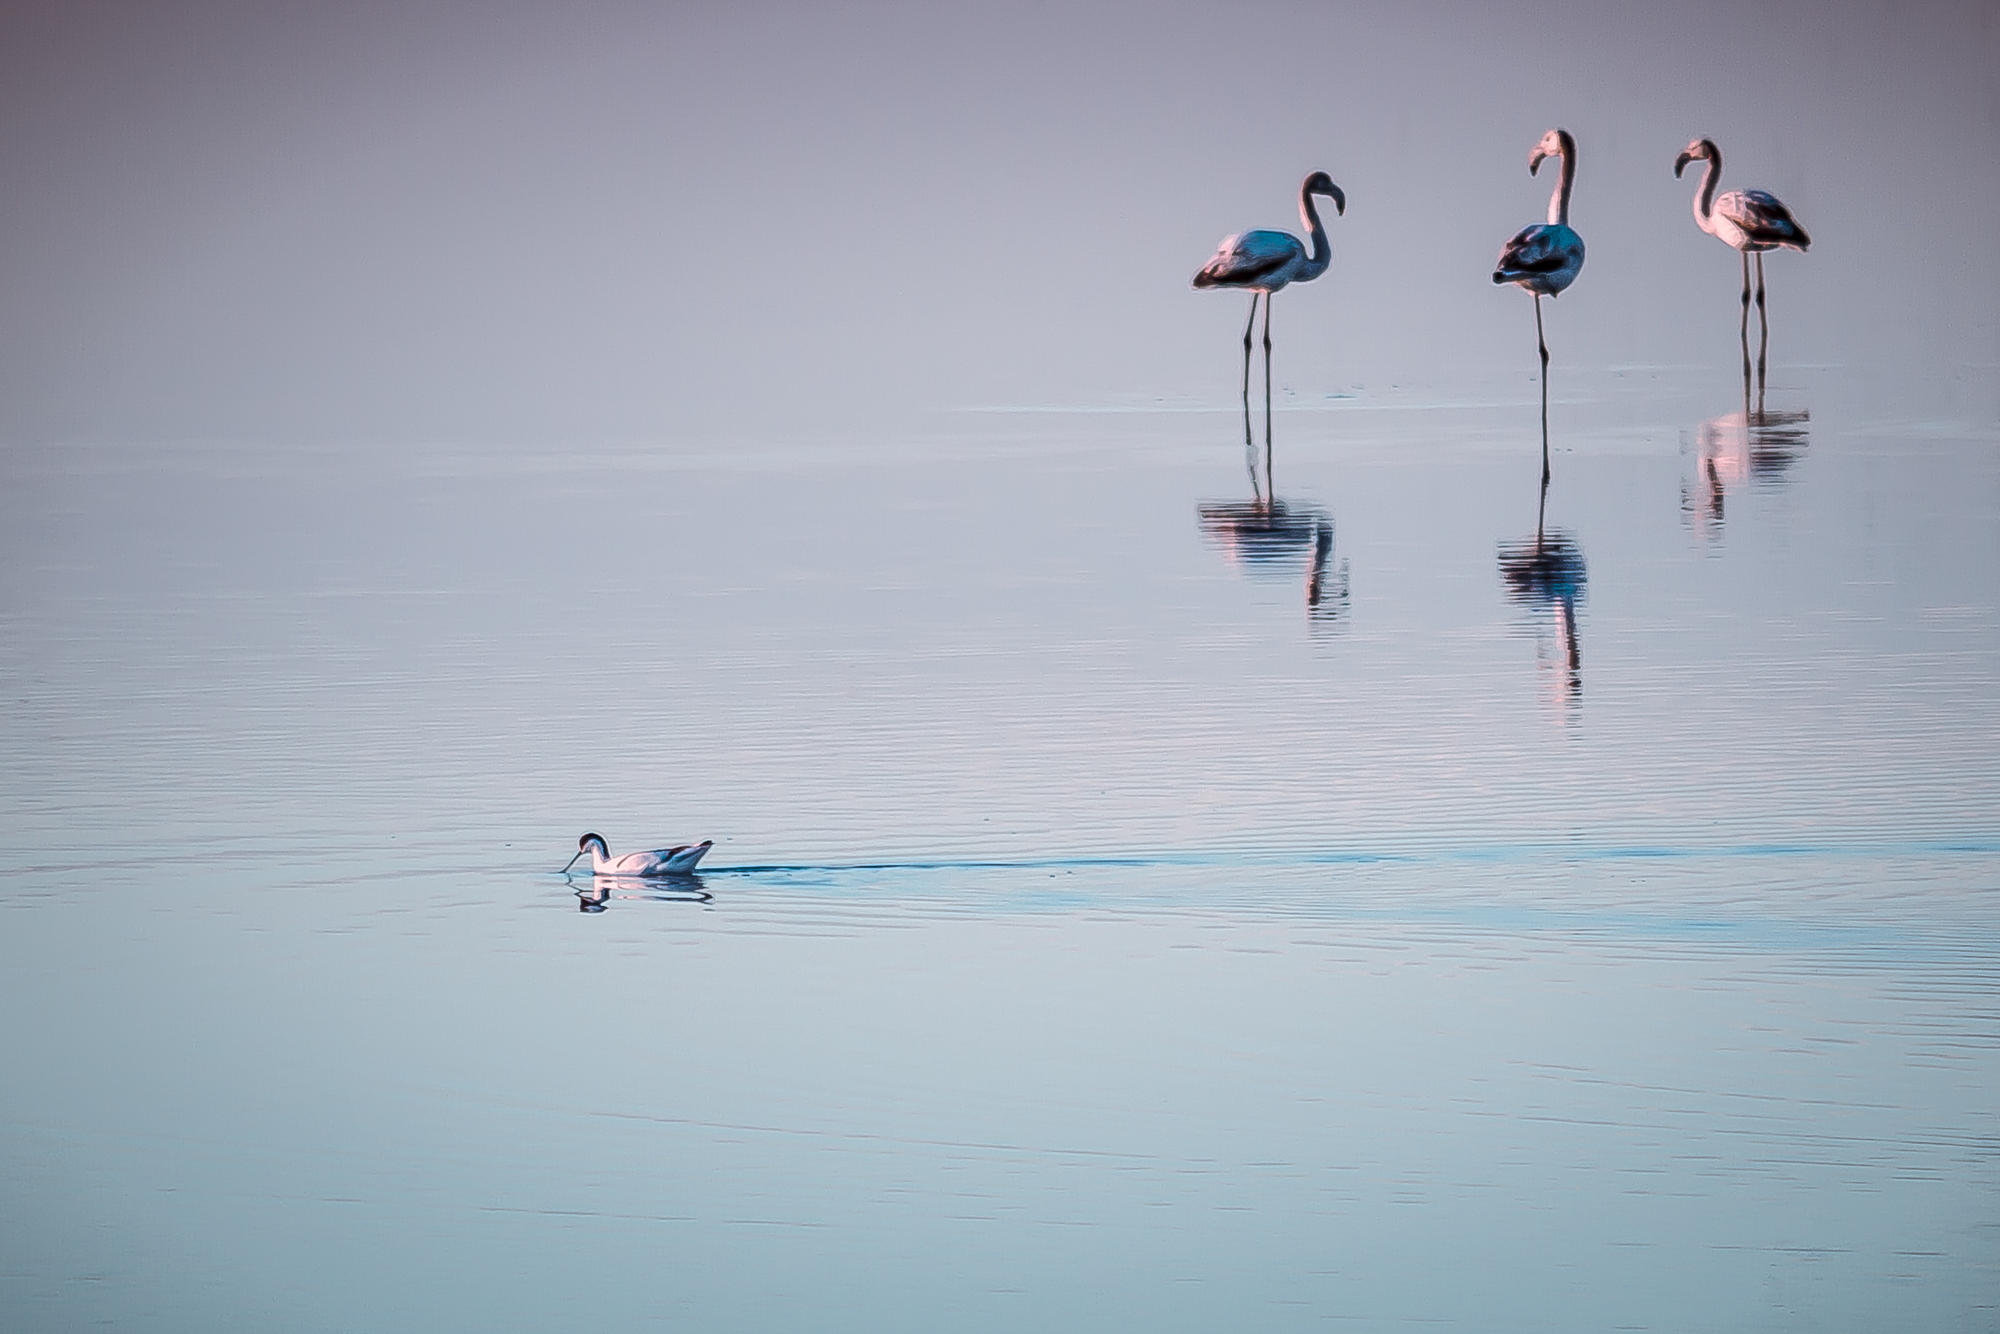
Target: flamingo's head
[[1698, 150], [1319, 183], [1556, 143]]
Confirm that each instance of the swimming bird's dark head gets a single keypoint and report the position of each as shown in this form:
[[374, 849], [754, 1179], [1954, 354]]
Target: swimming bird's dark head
[[1319, 183], [1700, 150], [583, 846]]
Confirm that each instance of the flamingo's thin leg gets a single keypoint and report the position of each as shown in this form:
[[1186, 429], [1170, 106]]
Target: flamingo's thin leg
[[1763, 321], [1744, 328], [1268, 482], [1250, 325], [1543, 344]]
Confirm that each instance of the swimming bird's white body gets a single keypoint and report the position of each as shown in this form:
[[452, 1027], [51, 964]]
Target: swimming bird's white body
[[656, 862]]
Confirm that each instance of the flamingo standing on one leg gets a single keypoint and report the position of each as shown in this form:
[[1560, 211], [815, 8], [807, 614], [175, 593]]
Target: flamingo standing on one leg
[[1263, 262], [1546, 258], [1749, 220]]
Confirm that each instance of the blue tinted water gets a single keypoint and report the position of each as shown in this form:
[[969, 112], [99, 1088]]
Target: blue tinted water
[[1101, 932]]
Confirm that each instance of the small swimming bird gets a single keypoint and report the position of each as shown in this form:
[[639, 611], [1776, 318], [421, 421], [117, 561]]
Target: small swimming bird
[[1261, 262], [1546, 258], [660, 861], [1751, 221]]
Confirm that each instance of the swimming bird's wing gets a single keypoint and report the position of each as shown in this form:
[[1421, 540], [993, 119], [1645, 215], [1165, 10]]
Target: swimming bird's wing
[[1248, 258], [661, 861], [1763, 218], [683, 859]]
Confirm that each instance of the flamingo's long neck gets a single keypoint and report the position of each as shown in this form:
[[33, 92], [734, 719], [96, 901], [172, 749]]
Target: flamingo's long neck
[[599, 857], [1704, 200], [1559, 201], [1321, 254]]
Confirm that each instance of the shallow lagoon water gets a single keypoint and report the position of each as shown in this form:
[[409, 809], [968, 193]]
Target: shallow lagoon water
[[1098, 932], [1148, 892]]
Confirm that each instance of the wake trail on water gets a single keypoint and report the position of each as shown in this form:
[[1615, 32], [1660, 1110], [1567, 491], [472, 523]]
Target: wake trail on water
[[1435, 854]]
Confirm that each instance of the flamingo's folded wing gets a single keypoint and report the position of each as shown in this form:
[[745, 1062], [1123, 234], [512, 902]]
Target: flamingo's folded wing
[[1534, 249], [1248, 256], [1763, 217]]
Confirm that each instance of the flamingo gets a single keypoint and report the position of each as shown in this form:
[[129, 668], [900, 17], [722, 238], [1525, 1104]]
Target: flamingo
[[1751, 222], [1546, 258], [1264, 261], [660, 861]]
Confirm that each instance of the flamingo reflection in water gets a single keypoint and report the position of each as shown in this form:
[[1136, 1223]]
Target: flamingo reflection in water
[[1268, 535], [1758, 445], [1546, 575], [596, 896]]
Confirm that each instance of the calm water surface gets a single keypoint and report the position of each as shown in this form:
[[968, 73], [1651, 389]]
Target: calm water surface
[[1157, 886], [1135, 903]]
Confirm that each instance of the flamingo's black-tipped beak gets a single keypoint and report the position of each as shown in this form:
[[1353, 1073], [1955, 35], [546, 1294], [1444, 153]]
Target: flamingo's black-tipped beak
[[1680, 164], [1339, 200], [571, 862]]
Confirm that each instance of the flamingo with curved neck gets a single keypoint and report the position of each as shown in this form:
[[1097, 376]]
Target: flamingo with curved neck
[[1748, 221], [1261, 262], [1546, 258]]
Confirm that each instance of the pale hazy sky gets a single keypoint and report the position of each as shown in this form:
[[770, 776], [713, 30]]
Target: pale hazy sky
[[323, 221]]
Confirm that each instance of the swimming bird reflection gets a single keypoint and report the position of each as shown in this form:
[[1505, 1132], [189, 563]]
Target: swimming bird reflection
[[1270, 537], [1546, 576], [1757, 444], [597, 895]]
